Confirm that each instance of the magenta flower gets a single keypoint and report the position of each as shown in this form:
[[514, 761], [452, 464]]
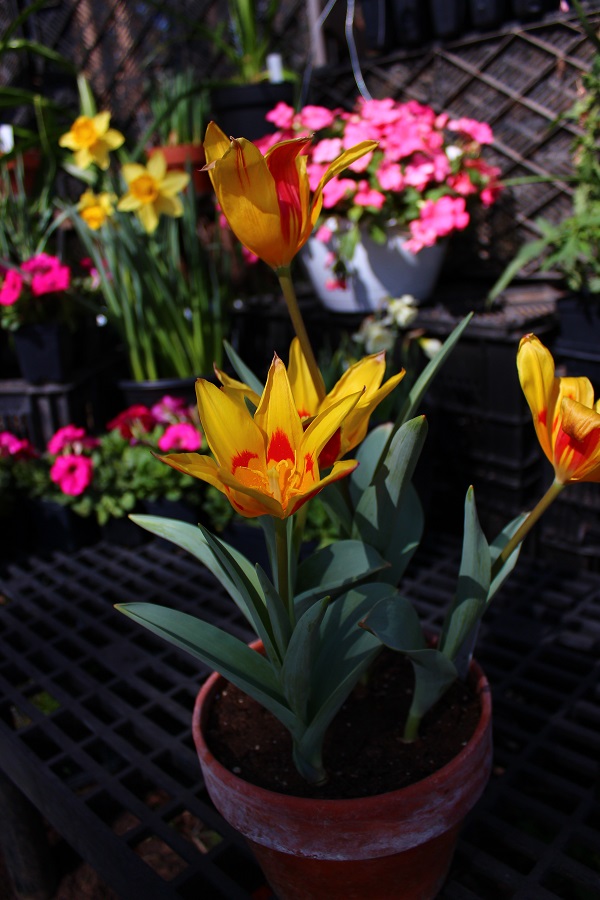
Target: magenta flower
[[11, 445], [133, 420], [281, 116], [10, 291], [169, 409], [70, 437], [478, 131], [47, 274], [316, 117], [72, 473], [183, 436]]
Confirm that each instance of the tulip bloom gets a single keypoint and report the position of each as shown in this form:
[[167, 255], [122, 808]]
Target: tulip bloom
[[266, 199], [364, 377], [266, 464], [91, 139], [566, 420], [152, 191]]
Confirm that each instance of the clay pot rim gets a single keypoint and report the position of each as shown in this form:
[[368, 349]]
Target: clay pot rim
[[441, 776]]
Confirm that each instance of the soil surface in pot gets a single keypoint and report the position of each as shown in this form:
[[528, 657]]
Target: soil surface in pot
[[364, 752]]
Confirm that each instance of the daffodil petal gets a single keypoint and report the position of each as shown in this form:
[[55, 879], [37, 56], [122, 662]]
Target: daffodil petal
[[131, 171], [113, 139], [157, 166], [101, 122], [174, 183], [169, 206], [148, 217], [128, 203]]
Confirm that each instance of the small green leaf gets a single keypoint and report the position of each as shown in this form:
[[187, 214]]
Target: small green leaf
[[434, 673], [394, 622], [334, 568]]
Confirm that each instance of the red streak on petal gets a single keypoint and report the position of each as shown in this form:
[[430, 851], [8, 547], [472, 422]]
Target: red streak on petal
[[331, 450], [543, 416], [242, 459], [282, 166], [309, 464], [280, 447], [304, 413]]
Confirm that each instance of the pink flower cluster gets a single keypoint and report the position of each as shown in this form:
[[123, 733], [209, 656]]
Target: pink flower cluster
[[73, 468], [426, 170], [42, 274], [180, 431], [15, 447]]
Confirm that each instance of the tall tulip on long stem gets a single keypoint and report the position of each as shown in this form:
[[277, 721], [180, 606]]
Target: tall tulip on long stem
[[268, 205]]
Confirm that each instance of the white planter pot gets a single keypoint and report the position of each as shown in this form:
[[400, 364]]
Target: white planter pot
[[376, 272]]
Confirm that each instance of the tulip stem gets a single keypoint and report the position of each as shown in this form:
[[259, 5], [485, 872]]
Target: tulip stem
[[283, 568], [289, 294], [522, 532]]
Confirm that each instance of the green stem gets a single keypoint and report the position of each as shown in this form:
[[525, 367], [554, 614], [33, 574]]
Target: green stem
[[411, 727], [520, 534], [283, 568], [285, 280]]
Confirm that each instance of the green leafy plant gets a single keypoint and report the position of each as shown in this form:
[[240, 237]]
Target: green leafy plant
[[571, 247], [180, 108], [161, 292]]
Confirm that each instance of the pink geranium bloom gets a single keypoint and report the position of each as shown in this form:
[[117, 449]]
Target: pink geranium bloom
[[315, 172], [327, 150], [316, 117], [390, 177], [282, 116], [11, 288], [323, 234], [72, 473], [462, 184], [445, 215], [478, 131], [336, 190], [379, 112], [368, 196], [11, 445], [133, 419], [183, 436]]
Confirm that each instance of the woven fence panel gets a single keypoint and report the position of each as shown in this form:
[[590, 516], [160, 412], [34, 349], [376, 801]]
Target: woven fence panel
[[519, 78]]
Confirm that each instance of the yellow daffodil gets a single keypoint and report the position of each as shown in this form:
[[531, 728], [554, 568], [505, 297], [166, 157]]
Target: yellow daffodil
[[152, 191], [566, 420], [363, 377], [266, 463], [266, 199], [95, 209], [91, 139]]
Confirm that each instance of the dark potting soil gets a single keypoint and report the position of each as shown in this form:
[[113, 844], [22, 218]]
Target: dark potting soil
[[364, 752]]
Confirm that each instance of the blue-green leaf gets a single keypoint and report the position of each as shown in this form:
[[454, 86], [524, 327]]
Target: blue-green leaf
[[242, 371], [245, 668], [298, 666], [394, 622], [334, 568]]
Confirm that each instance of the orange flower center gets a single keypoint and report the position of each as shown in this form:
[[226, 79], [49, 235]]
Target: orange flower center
[[144, 189], [85, 132]]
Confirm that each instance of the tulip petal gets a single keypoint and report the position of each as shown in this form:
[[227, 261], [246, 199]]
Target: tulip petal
[[302, 384], [229, 428], [277, 415]]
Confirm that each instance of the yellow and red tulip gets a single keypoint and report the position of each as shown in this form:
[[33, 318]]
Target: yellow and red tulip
[[266, 199], [364, 378], [266, 463], [565, 417]]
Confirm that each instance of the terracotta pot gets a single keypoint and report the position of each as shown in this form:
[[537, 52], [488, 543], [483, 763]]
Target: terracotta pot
[[32, 159], [177, 157], [390, 845]]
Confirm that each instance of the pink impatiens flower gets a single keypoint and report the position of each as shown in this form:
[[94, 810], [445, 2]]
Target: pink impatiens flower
[[437, 219], [10, 291], [281, 115], [478, 131], [316, 117], [182, 436], [72, 473]]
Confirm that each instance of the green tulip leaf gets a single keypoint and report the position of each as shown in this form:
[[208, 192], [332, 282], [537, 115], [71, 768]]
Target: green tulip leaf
[[434, 673], [334, 568], [244, 373], [298, 666], [394, 622], [245, 668]]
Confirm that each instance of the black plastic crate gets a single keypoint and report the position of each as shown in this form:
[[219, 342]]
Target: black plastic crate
[[570, 528], [89, 400]]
